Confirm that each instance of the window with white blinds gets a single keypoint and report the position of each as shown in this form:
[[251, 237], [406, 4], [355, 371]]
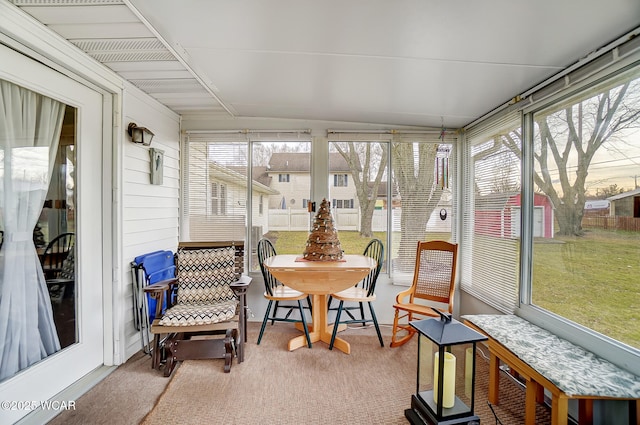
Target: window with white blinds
[[215, 189], [414, 202], [246, 185], [490, 260]]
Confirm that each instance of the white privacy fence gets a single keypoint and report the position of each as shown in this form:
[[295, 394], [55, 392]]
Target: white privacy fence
[[348, 219]]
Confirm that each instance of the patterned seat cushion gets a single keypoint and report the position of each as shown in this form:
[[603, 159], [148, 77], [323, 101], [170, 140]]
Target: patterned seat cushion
[[204, 275], [201, 314], [204, 293]]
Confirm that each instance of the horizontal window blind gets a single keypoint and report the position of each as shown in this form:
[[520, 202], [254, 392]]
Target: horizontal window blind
[[243, 185], [214, 190], [490, 256], [414, 197]]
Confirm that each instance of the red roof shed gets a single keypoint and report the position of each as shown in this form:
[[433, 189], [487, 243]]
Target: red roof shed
[[498, 215]]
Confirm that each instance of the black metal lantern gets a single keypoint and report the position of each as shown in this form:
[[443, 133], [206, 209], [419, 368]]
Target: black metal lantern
[[446, 372]]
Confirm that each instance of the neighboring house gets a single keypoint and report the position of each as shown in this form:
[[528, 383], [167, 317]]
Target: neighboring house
[[382, 202], [498, 215], [290, 174], [625, 204], [219, 213]]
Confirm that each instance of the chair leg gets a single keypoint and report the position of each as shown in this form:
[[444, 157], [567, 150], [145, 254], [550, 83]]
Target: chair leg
[[395, 341], [239, 345], [309, 305], [304, 324], [244, 322], [230, 336], [286, 316], [361, 307], [395, 329], [155, 355], [375, 323], [275, 312], [348, 311], [336, 325], [170, 346], [264, 321]]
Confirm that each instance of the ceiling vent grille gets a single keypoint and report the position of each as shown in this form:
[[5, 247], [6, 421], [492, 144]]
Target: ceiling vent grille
[[132, 57], [125, 50], [120, 45]]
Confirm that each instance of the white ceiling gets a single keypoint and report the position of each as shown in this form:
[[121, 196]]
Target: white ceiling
[[402, 62]]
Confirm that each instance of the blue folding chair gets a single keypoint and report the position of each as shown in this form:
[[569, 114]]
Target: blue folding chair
[[147, 269]]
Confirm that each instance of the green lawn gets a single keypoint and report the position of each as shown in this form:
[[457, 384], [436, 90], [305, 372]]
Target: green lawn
[[593, 280]]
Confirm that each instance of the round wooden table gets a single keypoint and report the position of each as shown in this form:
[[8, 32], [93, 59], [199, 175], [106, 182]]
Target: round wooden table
[[319, 279]]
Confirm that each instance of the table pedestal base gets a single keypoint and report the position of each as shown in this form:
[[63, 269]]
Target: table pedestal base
[[322, 331]]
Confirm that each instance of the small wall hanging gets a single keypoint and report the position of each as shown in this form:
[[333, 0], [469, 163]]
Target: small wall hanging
[[157, 165]]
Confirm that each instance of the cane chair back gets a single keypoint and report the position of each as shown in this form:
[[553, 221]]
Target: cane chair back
[[433, 286]]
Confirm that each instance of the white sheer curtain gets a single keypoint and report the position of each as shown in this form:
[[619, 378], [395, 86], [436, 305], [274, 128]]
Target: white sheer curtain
[[30, 126]]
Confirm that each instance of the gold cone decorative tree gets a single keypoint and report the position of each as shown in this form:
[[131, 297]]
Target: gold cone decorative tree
[[323, 243]]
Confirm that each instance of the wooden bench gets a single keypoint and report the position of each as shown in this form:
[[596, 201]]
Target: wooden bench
[[546, 361]]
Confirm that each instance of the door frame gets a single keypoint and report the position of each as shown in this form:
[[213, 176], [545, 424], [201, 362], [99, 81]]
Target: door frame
[[52, 374], [23, 34]]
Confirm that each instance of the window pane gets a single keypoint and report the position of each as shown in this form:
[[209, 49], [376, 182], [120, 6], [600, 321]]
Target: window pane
[[587, 156], [282, 174], [360, 203], [420, 207], [38, 200]]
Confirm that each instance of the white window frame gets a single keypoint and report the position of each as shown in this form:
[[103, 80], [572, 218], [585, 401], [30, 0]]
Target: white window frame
[[579, 78]]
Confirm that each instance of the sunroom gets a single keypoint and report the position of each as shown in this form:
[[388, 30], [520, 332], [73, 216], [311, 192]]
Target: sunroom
[[494, 126]]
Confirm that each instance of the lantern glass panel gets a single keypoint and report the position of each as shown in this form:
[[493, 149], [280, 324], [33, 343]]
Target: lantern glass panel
[[457, 375], [446, 372]]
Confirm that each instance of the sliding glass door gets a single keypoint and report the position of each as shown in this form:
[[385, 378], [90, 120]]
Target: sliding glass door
[[51, 321]]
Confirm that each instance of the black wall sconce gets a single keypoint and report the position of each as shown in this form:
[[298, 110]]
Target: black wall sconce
[[140, 134]]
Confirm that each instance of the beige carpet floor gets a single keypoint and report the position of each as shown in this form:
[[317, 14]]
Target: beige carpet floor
[[373, 385], [124, 397]]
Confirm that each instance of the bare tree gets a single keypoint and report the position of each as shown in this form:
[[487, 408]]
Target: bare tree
[[414, 178], [372, 159], [413, 173], [262, 153], [566, 145], [612, 190]]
